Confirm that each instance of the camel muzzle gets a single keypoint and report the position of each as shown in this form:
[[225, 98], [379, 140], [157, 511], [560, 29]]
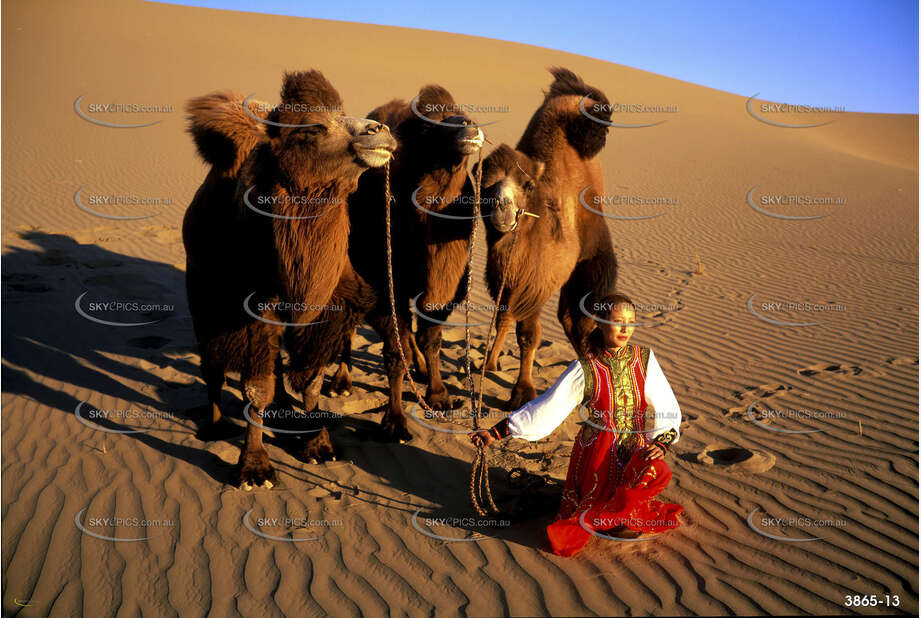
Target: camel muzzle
[[504, 218], [470, 140], [373, 143]]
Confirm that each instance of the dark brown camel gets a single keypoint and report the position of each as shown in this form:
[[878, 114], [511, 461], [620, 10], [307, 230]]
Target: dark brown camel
[[266, 238], [568, 248], [428, 173]]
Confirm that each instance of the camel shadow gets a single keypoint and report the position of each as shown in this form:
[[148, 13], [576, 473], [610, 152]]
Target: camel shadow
[[59, 331], [437, 506], [104, 326]]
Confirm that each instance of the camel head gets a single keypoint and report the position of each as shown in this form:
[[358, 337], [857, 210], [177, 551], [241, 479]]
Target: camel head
[[510, 183], [313, 140], [439, 128]]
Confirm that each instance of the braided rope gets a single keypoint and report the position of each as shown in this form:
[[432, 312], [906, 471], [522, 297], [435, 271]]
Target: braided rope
[[480, 491], [393, 304], [470, 249]]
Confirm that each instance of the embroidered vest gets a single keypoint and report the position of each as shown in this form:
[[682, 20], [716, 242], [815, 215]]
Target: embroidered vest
[[614, 397]]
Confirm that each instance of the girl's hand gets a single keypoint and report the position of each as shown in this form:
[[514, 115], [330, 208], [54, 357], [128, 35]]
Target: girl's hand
[[653, 451], [482, 437]]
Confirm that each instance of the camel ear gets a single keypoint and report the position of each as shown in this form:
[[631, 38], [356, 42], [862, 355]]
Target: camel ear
[[223, 131], [534, 168], [539, 167]]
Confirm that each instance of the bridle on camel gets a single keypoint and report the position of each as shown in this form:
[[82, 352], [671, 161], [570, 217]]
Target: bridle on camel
[[480, 492]]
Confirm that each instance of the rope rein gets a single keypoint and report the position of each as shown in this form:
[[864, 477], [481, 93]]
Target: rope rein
[[470, 249], [479, 487], [480, 491], [393, 304]]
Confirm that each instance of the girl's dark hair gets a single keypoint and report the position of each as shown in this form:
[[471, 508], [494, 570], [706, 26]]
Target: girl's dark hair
[[594, 343]]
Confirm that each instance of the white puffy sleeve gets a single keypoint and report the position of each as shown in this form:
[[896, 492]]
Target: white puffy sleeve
[[660, 396], [539, 417]]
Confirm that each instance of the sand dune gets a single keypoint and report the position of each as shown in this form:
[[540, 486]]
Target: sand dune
[[738, 374]]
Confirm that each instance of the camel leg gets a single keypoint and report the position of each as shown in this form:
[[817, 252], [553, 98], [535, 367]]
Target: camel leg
[[393, 423], [309, 361], [567, 323], [342, 381], [313, 446], [254, 469], [582, 328], [430, 339], [282, 398], [215, 427], [310, 398], [575, 323], [529, 333], [506, 320], [418, 358]]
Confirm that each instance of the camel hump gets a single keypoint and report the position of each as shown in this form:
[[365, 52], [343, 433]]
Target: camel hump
[[568, 83], [224, 131], [587, 133], [389, 113], [433, 96]]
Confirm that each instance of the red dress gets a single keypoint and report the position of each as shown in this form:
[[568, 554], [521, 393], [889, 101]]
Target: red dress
[[609, 483]]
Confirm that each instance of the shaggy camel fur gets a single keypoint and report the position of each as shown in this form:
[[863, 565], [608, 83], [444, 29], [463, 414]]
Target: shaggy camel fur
[[266, 238], [568, 248], [428, 177]]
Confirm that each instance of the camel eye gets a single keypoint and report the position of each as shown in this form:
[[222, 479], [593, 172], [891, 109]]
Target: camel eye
[[528, 186], [314, 129]]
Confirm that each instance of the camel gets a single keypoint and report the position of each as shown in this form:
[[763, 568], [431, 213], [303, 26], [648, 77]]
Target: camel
[[266, 238], [568, 248], [429, 172]]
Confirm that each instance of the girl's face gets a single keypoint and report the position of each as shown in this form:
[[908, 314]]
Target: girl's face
[[617, 335]]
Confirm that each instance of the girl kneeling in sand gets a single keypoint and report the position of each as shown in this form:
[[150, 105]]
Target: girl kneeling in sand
[[617, 464]]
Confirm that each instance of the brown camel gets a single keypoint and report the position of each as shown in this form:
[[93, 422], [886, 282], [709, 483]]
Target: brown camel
[[568, 248], [428, 173], [266, 238]]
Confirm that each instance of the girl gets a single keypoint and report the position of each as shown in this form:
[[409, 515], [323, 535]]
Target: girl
[[617, 463]]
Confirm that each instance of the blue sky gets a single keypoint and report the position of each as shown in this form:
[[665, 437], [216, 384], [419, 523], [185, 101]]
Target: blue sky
[[859, 54]]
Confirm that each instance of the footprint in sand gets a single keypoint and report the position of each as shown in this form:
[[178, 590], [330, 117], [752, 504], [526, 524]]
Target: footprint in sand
[[903, 360], [761, 392], [736, 459], [825, 371], [756, 393]]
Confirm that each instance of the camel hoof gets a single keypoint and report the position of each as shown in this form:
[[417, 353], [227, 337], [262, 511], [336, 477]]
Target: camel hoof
[[317, 449], [396, 432], [254, 469], [519, 398], [444, 402], [341, 385], [333, 394], [333, 458]]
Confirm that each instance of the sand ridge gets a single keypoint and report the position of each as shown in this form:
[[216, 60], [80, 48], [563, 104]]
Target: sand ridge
[[359, 530]]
